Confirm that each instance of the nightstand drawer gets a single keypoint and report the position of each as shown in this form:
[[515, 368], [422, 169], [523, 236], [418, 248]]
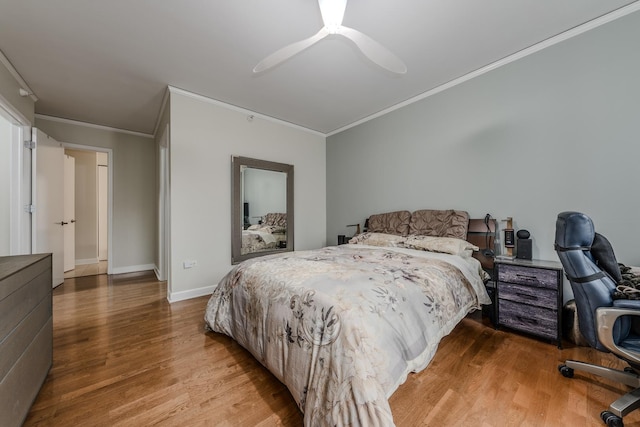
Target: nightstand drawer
[[545, 298], [538, 277], [530, 297], [535, 320]]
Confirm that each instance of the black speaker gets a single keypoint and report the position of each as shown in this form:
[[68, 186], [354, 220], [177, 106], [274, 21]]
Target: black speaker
[[524, 249]]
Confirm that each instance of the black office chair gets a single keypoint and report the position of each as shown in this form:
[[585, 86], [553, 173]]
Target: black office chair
[[605, 322]]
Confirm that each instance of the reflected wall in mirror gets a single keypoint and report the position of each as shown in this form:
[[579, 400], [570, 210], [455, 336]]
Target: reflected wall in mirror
[[262, 208]]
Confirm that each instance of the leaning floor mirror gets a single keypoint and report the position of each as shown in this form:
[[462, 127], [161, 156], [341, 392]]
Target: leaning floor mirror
[[262, 208]]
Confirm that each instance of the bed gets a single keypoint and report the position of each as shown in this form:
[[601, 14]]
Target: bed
[[271, 233], [343, 326]]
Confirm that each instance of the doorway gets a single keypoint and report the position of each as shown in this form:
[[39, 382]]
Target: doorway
[[91, 212], [15, 184], [5, 186]]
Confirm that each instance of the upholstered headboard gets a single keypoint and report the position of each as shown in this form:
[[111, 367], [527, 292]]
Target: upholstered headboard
[[425, 222], [275, 218], [440, 223], [390, 223]]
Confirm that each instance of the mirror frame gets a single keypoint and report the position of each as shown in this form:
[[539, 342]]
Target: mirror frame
[[236, 206]]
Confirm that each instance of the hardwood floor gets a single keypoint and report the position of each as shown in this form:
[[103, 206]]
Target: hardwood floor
[[124, 356], [87, 270]]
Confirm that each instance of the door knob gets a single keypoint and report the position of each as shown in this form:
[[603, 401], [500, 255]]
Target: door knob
[[62, 223], [72, 221]]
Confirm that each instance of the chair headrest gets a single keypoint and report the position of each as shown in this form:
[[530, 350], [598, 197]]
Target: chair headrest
[[574, 230]]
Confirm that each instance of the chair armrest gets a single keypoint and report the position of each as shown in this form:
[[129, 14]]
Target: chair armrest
[[605, 319], [632, 304]]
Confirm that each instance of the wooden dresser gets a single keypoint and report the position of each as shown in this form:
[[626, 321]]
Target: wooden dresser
[[529, 296], [26, 333]]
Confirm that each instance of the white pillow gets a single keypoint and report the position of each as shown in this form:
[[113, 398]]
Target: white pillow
[[447, 245], [378, 239]]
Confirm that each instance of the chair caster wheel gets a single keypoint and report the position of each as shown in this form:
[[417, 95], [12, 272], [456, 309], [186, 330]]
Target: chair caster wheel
[[566, 371], [611, 420]]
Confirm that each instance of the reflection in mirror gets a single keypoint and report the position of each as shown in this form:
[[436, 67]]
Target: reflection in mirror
[[262, 208]]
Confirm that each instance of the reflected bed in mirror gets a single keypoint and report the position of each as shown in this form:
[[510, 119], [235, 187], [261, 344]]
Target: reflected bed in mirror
[[262, 208]]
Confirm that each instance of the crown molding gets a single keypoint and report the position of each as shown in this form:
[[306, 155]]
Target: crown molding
[[566, 35], [15, 115], [249, 113], [91, 125], [165, 103], [7, 64]]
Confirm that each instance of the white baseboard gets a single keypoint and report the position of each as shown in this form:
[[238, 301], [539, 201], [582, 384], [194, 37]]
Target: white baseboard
[[87, 261], [191, 293], [157, 272], [132, 269]]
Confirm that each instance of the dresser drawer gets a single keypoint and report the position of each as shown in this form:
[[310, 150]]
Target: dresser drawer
[[26, 333], [534, 320], [538, 277], [521, 294]]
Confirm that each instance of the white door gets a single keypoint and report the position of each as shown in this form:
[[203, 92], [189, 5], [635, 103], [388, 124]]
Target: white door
[[48, 199], [69, 213]]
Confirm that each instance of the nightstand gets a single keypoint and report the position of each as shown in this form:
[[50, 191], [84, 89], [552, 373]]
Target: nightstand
[[529, 297], [343, 240]]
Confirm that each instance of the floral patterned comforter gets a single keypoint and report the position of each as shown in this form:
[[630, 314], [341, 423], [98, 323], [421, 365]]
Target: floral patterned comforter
[[260, 240], [343, 326]]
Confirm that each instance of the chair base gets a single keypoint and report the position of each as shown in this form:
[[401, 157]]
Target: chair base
[[626, 403]]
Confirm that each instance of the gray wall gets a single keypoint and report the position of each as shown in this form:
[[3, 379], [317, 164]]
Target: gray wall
[[204, 136], [134, 190], [557, 130]]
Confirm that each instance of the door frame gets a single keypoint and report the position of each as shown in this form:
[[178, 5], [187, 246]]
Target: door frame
[[109, 152], [163, 266], [69, 212], [20, 175]]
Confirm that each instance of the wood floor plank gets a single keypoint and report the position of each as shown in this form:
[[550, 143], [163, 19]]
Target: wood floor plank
[[124, 356]]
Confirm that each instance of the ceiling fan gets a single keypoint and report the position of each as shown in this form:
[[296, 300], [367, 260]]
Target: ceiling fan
[[332, 15]]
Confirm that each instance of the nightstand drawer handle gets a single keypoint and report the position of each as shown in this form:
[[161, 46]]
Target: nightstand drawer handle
[[527, 277], [527, 320], [526, 296]]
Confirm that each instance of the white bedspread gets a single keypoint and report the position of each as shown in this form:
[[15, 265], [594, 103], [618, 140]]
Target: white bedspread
[[267, 237], [343, 326]]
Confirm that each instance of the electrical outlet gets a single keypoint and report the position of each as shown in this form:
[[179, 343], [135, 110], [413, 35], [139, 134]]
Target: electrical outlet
[[189, 264]]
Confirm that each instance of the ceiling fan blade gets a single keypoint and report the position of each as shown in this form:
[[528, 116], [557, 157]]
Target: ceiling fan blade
[[287, 52], [374, 50]]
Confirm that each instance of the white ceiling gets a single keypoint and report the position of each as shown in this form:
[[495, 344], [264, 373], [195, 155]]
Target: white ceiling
[[108, 62]]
